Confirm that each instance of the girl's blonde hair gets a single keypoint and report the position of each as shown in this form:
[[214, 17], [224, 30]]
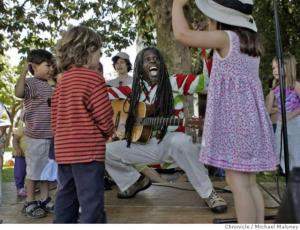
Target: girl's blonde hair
[[290, 69], [76, 46]]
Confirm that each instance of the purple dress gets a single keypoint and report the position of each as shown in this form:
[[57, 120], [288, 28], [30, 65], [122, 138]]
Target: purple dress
[[237, 133]]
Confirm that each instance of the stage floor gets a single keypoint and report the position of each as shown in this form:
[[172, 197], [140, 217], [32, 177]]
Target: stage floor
[[158, 204]]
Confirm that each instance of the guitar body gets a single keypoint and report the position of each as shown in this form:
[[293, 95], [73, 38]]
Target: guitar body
[[142, 129], [140, 133]]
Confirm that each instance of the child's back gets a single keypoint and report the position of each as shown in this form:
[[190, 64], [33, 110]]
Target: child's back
[[237, 133], [81, 111], [235, 93], [82, 122]]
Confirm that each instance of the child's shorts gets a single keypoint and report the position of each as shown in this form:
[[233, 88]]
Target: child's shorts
[[36, 157]]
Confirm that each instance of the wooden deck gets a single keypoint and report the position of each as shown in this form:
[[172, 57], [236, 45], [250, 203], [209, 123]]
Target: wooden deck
[[158, 204]]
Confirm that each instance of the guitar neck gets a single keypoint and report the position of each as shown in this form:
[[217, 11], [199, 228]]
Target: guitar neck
[[160, 121]]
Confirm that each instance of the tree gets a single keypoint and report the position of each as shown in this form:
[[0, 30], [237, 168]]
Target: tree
[[37, 23], [7, 85], [289, 15]]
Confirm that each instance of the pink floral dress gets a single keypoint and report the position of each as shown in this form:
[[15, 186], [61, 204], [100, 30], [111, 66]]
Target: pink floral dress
[[237, 133]]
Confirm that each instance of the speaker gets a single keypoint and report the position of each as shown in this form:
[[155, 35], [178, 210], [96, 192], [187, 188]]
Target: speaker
[[289, 211]]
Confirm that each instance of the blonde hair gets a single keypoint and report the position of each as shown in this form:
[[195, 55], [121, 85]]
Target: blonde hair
[[75, 47], [290, 69]]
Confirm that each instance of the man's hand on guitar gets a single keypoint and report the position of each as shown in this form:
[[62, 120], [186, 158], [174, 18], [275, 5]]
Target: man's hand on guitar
[[118, 135], [194, 123]]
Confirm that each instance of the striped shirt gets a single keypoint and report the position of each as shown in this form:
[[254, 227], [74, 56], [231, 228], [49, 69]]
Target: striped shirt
[[37, 111], [81, 117]]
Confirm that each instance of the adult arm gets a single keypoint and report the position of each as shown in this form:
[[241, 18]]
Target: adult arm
[[187, 84], [120, 92]]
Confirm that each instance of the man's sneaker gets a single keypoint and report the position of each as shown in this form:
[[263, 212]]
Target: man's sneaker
[[141, 184], [216, 203]]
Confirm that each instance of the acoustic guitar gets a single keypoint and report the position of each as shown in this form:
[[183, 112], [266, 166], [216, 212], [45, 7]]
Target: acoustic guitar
[[142, 129]]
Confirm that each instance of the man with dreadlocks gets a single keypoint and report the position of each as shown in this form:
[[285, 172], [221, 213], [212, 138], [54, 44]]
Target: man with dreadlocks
[[152, 85]]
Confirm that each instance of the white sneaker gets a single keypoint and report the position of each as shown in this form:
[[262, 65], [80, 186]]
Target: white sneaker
[[216, 203]]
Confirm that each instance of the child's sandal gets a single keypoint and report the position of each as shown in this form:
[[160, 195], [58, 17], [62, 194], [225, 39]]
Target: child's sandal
[[33, 210], [46, 205]]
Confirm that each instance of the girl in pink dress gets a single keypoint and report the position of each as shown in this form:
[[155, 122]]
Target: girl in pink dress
[[237, 133]]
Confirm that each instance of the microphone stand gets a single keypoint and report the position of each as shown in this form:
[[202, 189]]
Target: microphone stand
[[282, 90]]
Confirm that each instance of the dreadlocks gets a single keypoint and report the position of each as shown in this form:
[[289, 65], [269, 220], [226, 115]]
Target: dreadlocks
[[163, 101]]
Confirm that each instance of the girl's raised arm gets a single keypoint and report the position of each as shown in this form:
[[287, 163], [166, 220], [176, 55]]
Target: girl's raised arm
[[216, 39]]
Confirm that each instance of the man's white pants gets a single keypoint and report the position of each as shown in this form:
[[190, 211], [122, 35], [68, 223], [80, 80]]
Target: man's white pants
[[175, 147]]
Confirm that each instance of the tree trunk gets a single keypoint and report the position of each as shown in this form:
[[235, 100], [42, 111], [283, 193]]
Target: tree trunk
[[13, 112], [177, 56]]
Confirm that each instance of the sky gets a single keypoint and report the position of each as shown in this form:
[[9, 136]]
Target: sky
[[109, 72]]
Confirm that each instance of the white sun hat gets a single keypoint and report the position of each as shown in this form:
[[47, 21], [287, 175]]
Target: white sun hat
[[231, 12]]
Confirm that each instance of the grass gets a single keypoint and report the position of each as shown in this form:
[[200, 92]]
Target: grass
[[8, 174], [269, 177]]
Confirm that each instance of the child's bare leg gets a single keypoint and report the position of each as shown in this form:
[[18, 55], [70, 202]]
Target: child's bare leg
[[30, 187], [258, 200], [240, 186], [44, 190]]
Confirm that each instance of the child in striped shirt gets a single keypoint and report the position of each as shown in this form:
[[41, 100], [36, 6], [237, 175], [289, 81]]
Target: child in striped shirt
[[36, 92], [82, 123]]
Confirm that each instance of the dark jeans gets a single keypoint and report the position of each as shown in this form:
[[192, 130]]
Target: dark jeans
[[51, 154], [19, 172], [80, 185]]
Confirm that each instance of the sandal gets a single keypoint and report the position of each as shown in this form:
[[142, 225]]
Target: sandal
[[33, 210], [46, 205]]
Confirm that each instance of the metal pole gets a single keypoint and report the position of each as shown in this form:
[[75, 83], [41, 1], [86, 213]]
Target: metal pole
[[282, 90]]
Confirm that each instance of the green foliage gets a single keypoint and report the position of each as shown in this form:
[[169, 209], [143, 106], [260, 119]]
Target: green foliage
[[37, 23], [8, 79], [8, 174], [270, 177], [289, 15], [145, 22]]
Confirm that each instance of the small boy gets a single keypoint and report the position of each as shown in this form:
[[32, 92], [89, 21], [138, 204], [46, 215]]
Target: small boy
[[82, 123], [36, 92]]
